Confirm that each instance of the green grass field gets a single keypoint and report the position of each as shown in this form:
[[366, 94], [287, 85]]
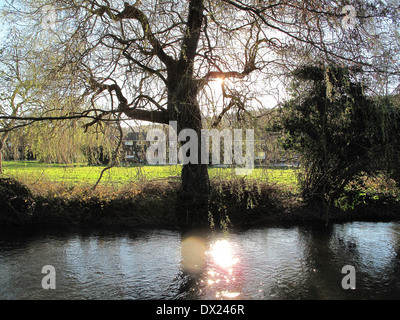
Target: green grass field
[[83, 174]]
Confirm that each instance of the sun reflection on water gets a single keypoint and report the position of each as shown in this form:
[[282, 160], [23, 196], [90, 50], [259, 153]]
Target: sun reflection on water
[[222, 254], [222, 270]]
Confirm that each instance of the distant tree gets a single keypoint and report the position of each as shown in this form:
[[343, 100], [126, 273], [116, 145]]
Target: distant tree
[[20, 86], [34, 107]]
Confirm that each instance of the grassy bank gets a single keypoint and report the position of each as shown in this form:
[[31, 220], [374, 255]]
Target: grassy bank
[[148, 196], [32, 172], [150, 204]]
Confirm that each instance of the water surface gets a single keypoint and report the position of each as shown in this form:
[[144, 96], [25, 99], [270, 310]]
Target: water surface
[[298, 262]]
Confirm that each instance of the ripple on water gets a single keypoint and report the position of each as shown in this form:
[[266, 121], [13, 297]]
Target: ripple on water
[[265, 263]]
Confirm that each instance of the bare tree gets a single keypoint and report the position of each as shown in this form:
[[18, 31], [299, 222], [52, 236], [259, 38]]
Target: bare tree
[[151, 60]]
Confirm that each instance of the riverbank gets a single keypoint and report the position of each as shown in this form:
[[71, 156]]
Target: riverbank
[[232, 204]]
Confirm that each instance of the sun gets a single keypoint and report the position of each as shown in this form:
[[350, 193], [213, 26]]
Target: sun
[[219, 81]]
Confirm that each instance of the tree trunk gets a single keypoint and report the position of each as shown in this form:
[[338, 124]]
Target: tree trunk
[[1, 160], [195, 179], [195, 183], [2, 143], [1, 153], [184, 108]]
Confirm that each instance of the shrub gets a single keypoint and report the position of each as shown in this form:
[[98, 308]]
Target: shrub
[[16, 203], [340, 132]]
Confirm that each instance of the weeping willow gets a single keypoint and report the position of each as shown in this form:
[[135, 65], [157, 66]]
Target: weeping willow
[[64, 142], [60, 142]]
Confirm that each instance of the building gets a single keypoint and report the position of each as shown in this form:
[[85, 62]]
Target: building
[[135, 146]]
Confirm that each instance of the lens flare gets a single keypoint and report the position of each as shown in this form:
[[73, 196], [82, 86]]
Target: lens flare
[[193, 254]]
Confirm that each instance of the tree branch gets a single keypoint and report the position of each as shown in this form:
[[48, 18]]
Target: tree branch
[[147, 115], [193, 30], [134, 112], [132, 12]]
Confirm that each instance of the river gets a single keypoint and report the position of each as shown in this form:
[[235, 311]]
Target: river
[[292, 262]]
